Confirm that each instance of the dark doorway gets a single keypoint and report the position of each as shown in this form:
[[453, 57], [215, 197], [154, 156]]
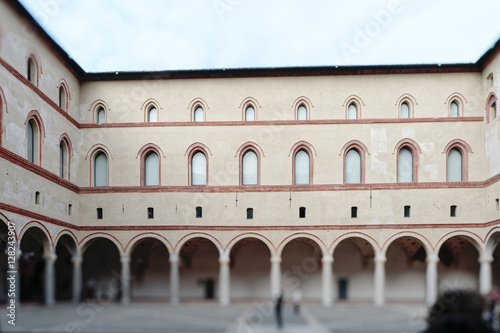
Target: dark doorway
[[342, 288], [209, 288]]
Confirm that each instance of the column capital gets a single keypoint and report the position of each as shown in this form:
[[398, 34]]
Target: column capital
[[125, 259], [224, 256], [380, 258], [432, 258], [174, 258], [327, 259], [76, 260], [485, 259], [50, 257], [275, 260]]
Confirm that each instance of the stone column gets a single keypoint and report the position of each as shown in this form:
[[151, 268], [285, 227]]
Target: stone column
[[50, 279], [379, 294], [125, 261], [431, 279], [275, 276], [327, 280], [174, 279], [224, 278], [485, 274], [77, 278]]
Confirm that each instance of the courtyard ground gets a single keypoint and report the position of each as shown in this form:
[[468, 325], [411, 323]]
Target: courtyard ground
[[255, 317]]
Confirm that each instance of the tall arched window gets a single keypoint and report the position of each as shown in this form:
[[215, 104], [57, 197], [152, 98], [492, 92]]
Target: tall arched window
[[250, 113], [152, 169], [33, 141], [302, 168], [250, 167], [301, 113], [32, 71], [63, 159], [152, 115], [100, 169], [198, 114], [405, 110], [352, 111], [101, 116], [63, 98], [455, 165], [405, 165], [199, 169], [454, 109], [353, 167]]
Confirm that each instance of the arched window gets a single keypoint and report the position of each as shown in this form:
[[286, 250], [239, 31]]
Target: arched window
[[353, 167], [101, 116], [63, 159], [199, 114], [250, 167], [100, 169], [454, 109], [405, 165], [352, 111], [33, 141], [152, 169], [455, 165], [302, 168], [250, 113], [301, 113], [32, 71], [489, 80], [493, 108], [63, 98], [152, 115], [405, 110], [199, 169]]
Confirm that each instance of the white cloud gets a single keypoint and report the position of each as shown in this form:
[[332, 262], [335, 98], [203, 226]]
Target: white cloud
[[156, 35]]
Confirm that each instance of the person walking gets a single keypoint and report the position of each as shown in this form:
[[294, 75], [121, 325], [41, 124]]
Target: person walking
[[278, 310], [297, 296]]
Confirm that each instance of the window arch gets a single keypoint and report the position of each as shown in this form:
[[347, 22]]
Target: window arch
[[35, 133], [100, 169], [302, 170], [404, 110], [101, 115], [489, 81], [302, 113], [250, 168], [32, 70], [457, 161], [302, 163], [199, 168], [407, 160], [63, 95], [151, 169], [65, 153], [199, 114], [151, 108], [454, 109], [353, 167], [405, 165], [250, 114], [152, 114], [63, 98], [455, 165], [354, 162], [491, 107], [352, 106]]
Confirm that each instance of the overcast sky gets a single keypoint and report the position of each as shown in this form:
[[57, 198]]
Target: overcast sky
[[133, 35]]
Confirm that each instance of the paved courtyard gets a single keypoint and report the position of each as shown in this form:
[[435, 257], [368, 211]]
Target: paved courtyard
[[256, 317]]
